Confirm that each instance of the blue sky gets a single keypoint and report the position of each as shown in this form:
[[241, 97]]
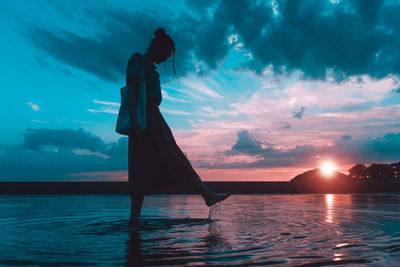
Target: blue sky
[[266, 89]]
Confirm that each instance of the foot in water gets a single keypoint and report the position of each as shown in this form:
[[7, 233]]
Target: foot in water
[[133, 223], [215, 198]]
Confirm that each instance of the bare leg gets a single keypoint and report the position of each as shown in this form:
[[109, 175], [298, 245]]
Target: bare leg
[[209, 196], [136, 207]]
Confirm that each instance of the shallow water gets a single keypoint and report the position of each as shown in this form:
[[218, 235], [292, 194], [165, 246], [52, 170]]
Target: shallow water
[[246, 230]]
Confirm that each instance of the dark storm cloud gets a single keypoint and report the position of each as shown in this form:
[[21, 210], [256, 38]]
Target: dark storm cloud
[[20, 164], [351, 37], [36, 138], [213, 51], [384, 148], [271, 157], [314, 36], [347, 137], [299, 114], [118, 149], [105, 55], [248, 18], [201, 5], [246, 145], [380, 149], [31, 161]]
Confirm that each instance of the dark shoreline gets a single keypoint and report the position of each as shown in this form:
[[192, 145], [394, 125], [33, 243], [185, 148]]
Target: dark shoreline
[[54, 188]]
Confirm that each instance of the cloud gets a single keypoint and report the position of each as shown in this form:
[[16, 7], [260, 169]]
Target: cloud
[[64, 154], [299, 114], [57, 154], [217, 113], [346, 150], [347, 137], [200, 5], [38, 121], [166, 95], [268, 114], [245, 145], [175, 112], [68, 47], [103, 110], [114, 104], [349, 38], [20, 164], [383, 148], [123, 32], [35, 139], [319, 38], [33, 106], [86, 152], [200, 87], [281, 125], [108, 107]]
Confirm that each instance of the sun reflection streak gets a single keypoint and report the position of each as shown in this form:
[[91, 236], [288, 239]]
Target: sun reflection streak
[[329, 202], [342, 245]]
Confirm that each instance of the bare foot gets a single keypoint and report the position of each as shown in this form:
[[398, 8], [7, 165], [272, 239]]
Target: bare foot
[[217, 198], [133, 222]]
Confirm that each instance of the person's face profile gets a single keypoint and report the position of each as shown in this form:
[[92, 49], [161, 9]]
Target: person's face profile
[[162, 55]]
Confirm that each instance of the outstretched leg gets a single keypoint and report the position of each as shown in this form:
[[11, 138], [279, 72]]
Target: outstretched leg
[[175, 162], [136, 207], [209, 196]]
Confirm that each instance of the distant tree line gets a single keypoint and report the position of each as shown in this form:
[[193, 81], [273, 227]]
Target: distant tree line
[[376, 171]]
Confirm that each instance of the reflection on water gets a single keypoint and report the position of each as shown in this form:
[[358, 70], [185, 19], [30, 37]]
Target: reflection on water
[[329, 208], [245, 230], [333, 206]]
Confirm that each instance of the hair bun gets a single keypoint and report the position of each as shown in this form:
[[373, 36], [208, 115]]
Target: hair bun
[[159, 32]]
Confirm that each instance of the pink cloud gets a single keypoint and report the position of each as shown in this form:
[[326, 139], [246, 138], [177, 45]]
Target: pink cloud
[[270, 119]]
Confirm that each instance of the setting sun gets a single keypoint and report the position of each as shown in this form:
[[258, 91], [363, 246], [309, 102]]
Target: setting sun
[[328, 168]]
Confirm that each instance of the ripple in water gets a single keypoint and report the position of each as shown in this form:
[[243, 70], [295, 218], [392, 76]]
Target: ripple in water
[[245, 230]]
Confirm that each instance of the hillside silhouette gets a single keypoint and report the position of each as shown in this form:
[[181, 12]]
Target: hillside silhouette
[[317, 176]]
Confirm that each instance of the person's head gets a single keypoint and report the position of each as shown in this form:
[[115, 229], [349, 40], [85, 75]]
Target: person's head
[[161, 48]]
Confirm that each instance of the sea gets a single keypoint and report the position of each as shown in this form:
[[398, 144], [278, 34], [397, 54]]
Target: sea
[[175, 230]]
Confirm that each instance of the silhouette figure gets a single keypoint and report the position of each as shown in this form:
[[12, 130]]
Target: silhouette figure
[[155, 160]]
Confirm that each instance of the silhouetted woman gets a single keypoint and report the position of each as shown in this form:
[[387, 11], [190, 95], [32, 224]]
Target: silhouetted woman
[[155, 160]]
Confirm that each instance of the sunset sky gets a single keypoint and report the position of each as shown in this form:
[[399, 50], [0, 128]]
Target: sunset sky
[[265, 89]]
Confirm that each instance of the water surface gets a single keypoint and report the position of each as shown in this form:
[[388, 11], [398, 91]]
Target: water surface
[[244, 230]]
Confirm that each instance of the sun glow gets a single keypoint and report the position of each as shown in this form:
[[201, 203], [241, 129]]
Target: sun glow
[[328, 168]]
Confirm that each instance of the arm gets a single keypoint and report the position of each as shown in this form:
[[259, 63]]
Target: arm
[[138, 89], [135, 79]]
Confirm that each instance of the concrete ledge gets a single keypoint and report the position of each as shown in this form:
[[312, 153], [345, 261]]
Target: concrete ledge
[[234, 187]]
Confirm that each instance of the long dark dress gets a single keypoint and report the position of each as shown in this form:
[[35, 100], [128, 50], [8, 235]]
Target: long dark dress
[[155, 160]]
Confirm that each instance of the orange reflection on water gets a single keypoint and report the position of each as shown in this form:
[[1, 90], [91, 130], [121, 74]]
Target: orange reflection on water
[[329, 202], [341, 245], [338, 208]]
